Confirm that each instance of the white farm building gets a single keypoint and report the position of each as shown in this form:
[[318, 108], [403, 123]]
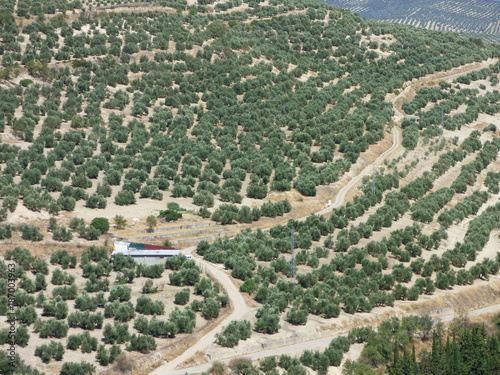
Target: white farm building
[[145, 253]]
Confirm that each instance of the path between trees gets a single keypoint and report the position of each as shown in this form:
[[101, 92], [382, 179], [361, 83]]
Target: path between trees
[[237, 301]]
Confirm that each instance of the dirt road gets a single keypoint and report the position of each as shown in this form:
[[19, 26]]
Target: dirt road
[[237, 303], [341, 195], [317, 344]]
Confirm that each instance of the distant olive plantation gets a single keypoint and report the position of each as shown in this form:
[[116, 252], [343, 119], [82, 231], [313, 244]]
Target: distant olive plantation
[[478, 18]]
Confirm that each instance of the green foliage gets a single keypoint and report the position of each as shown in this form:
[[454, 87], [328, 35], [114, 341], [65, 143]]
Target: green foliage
[[122, 312], [149, 287], [120, 222], [267, 320], [170, 215], [30, 232], [54, 350], [119, 292], [142, 343], [184, 320], [65, 292], [82, 368], [154, 271], [86, 320], [297, 316], [233, 332], [61, 277], [187, 276], [100, 223], [84, 341], [56, 308], [118, 333], [151, 223], [125, 198], [211, 308], [147, 306], [182, 296], [53, 328]]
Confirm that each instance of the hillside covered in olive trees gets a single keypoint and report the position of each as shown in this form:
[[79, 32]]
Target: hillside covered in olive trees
[[234, 113], [210, 105]]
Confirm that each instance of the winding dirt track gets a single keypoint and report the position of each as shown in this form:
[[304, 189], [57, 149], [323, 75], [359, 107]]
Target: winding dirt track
[[237, 303], [317, 344], [236, 299], [341, 195]]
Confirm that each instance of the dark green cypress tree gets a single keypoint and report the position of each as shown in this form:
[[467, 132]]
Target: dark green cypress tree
[[414, 364], [454, 359], [478, 350], [438, 359], [397, 364], [406, 363], [493, 358]]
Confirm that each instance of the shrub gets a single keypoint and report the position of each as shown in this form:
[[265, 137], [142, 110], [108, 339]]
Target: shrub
[[149, 287], [267, 320], [142, 343], [95, 285], [88, 343], [62, 234], [102, 356], [147, 306], [120, 262], [53, 350], [21, 336], [153, 271], [66, 292], [124, 198], [82, 368], [5, 232], [170, 215], [90, 233], [63, 258], [187, 276], [235, 331], [85, 320], [211, 308], [185, 320], [84, 302], [73, 342], [94, 254], [297, 316], [119, 292], [53, 328], [30, 232], [100, 223], [122, 312], [151, 223], [60, 277], [96, 201], [56, 308], [120, 222], [182, 296], [116, 334], [126, 276]]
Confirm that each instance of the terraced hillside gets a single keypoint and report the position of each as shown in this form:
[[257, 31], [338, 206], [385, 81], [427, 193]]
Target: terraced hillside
[[245, 119], [478, 17]]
